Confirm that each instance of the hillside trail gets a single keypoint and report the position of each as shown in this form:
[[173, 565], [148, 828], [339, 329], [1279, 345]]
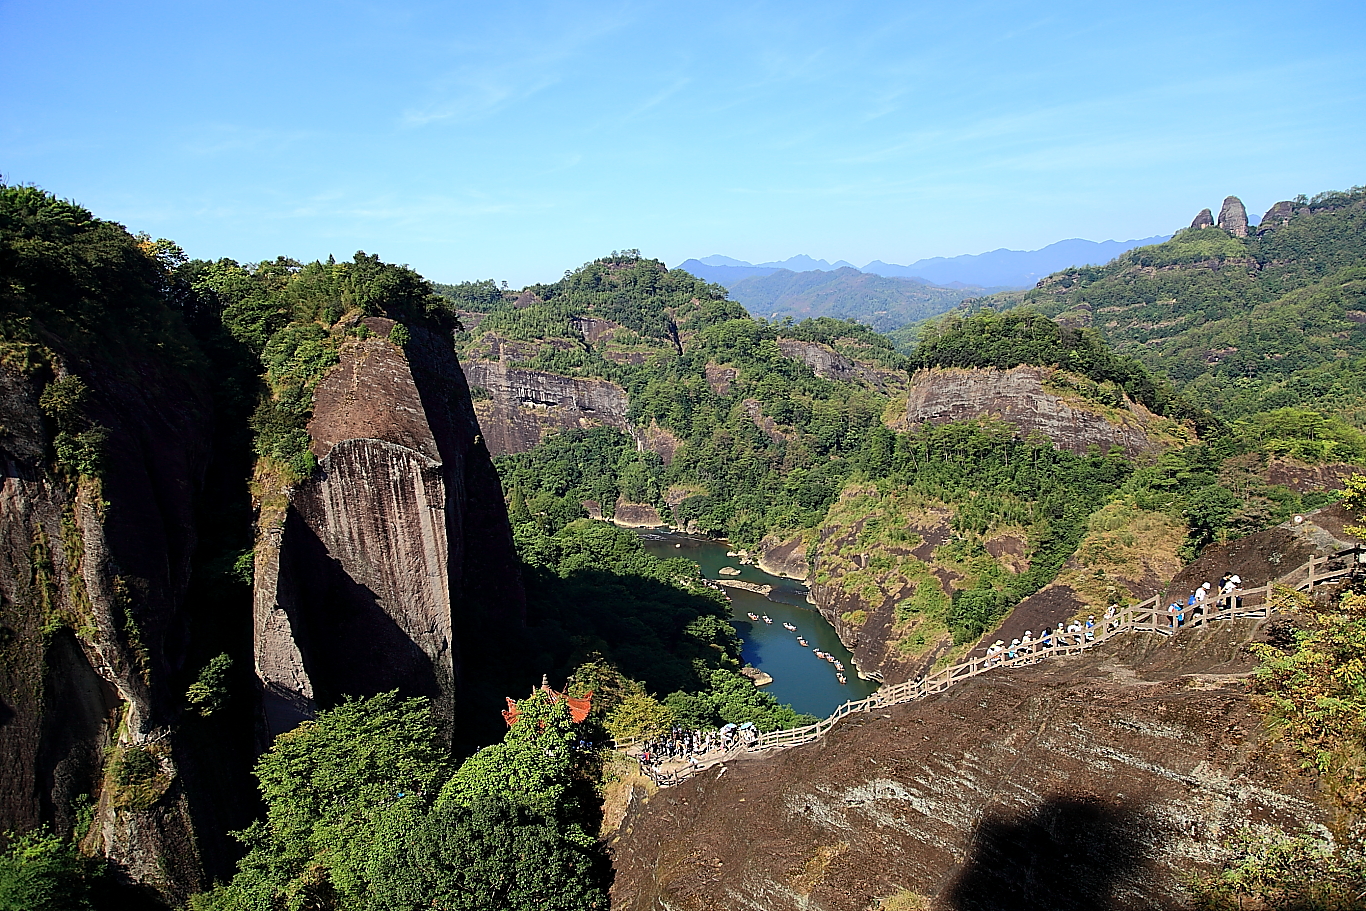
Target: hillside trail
[[1148, 616]]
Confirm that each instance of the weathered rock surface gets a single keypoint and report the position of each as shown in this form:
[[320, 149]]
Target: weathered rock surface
[[1018, 396], [1257, 559], [522, 406], [393, 565], [1204, 220], [784, 557], [93, 619], [1233, 217], [826, 362], [1099, 781], [1279, 214], [636, 515]]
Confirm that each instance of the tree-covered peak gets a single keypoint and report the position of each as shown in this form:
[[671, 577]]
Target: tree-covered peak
[[1024, 336], [640, 294], [1193, 245]]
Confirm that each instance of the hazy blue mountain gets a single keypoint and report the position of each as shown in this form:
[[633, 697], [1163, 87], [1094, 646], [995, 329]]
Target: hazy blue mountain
[[875, 300], [726, 270], [724, 274], [803, 263], [997, 270], [1012, 268]]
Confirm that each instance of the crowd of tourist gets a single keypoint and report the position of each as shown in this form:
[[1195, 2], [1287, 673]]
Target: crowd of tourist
[[692, 747], [1075, 633]]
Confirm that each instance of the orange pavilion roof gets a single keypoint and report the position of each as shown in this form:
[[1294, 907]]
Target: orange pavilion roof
[[579, 706]]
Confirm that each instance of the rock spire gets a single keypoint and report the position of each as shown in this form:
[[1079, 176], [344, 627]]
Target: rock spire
[[1204, 220], [1233, 217]]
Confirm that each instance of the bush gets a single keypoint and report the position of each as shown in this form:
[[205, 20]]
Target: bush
[[490, 856], [209, 692], [42, 872]]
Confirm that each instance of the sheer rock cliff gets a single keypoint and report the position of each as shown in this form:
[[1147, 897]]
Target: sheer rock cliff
[[1032, 400], [392, 567], [94, 625], [518, 407]]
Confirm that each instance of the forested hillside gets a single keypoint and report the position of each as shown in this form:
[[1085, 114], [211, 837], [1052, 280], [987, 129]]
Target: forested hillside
[[763, 432], [1239, 324], [185, 522], [171, 426]]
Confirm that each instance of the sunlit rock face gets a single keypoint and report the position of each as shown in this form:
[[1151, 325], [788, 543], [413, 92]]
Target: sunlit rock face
[[1024, 397], [1233, 217], [395, 557], [517, 407]]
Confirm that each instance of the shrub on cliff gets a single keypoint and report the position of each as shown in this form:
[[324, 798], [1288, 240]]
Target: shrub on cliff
[[43, 872]]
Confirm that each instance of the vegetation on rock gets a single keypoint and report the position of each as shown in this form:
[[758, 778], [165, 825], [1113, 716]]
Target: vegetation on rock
[[364, 811]]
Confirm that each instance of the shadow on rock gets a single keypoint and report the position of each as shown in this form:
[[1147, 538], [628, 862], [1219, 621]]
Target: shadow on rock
[[1066, 854]]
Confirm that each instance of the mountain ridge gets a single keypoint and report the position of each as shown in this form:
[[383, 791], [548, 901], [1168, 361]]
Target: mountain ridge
[[1002, 267]]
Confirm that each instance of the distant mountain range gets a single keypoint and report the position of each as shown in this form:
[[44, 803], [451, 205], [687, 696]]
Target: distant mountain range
[[846, 293], [995, 270]]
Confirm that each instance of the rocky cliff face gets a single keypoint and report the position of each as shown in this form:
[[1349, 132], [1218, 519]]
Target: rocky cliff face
[[1276, 216], [826, 362], [1099, 781], [393, 566], [93, 619], [1233, 216], [1022, 396], [517, 407]]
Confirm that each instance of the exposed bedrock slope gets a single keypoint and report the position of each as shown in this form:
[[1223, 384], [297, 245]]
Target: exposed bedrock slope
[[1098, 781], [1034, 399], [393, 566], [1105, 571], [95, 628], [522, 406]]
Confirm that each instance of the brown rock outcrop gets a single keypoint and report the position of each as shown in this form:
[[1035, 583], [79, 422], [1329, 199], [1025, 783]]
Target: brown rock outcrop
[[719, 378], [1279, 214], [397, 552], [524, 405], [1018, 396], [784, 556], [1204, 220], [828, 363], [636, 515], [93, 619], [1099, 781], [1233, 217]]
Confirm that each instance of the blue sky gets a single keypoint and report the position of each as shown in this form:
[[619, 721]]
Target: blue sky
[[515, 140]]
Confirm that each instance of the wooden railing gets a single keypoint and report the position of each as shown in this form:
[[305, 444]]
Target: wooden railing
[[1147, 616]]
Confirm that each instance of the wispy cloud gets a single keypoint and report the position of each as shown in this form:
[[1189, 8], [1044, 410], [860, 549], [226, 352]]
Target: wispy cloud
[[530, 59], [209, 139]]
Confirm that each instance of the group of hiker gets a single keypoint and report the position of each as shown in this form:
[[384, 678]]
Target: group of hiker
[[689, 746], [1075, 633], [1229, 596]]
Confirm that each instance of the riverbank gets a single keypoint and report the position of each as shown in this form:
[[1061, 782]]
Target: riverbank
[[800, 677]]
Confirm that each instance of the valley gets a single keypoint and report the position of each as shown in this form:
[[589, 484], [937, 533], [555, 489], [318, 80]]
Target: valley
[[310, 565]]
